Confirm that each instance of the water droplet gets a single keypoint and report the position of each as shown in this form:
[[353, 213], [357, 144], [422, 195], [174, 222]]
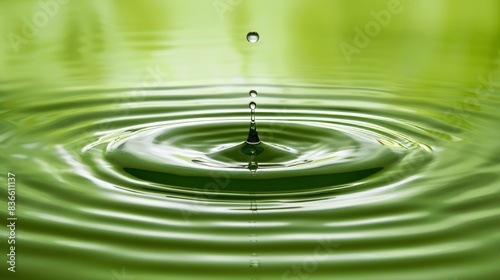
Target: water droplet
[[253, 166], [252, 37], [252, 105], [252, 93]]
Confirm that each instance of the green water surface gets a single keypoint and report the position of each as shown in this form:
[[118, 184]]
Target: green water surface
[[124, 124]]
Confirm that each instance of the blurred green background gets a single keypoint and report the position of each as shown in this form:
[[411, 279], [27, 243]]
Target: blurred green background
[[95, 44]]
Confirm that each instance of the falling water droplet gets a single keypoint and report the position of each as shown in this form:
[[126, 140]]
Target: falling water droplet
[[252, 93], [253, 37], [252, 105]]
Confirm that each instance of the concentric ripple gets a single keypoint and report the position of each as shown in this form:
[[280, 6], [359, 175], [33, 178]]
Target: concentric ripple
[[307, 145], [175, 162]]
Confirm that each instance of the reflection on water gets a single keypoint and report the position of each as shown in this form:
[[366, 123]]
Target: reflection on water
[[125, 124]]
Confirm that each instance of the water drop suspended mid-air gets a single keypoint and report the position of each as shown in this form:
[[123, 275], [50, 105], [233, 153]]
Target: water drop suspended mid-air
[[252, 105], [253, 37], [252, 93]]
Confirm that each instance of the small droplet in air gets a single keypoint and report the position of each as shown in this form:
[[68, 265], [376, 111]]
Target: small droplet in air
[[252, 37], [252, 93], [252, 105]]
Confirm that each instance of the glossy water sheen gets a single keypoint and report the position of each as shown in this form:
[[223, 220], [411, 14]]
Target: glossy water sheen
[[125, 123]]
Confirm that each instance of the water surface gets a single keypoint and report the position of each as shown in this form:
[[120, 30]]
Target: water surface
[[125, 122]]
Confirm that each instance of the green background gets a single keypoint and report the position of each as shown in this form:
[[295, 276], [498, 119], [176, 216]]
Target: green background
[[84, 74]]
